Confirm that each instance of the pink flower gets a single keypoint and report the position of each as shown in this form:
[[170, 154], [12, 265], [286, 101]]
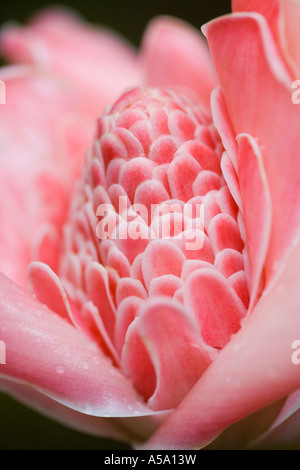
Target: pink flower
[[128, 332]]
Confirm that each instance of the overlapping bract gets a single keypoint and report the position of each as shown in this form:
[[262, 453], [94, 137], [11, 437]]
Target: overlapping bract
[[156, 333], [156, 147]]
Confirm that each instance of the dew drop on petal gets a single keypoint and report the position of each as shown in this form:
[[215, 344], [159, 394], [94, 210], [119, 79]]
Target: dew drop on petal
[[60, 370]]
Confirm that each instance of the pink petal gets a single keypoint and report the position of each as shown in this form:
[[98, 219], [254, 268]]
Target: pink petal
[[257, 209], [136, 362], [258, 78], [193, 265], [45, 352], [38, 165], [173, 53], [181, 126], [186, 242], [270, 9], [161, 257], [239, 282], [117, 260], [222, 123], [133, 173], [202, 153], [182, 173], [224, 233], [162, 150], [98, 292], [46, 247], [282, 17], [165, 285], [129, 287], [93, 425], [46, 287], [228, 262], [174, 346], [231, 178], [206, 181], [254, 370], [149, 193], [290, 39], [90, 322], [127, 311], [215, 305], [56, 38]]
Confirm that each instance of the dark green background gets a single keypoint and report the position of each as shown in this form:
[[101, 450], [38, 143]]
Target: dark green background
[[21, 428]]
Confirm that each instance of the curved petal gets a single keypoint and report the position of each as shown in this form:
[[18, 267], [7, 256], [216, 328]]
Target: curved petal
[[259, 77], [132, 429], [270, 9], [161, 257], [254, 370], [175, 348], [48, 407], [216, 307], [174, 54], [223, 124], [290, 36], [44, 136], [257, 209], [56, 38], [283, 19], [45, 285], [45, 352]]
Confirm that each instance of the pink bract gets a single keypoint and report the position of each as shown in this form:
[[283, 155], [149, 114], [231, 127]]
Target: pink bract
[[144, 338]]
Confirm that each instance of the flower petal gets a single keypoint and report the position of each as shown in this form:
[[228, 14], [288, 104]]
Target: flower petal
[[290, 37], [136, 362], [46, 287], [174, 53], [94, 425], [270, 9], [161, 257], [254, 370], [40, 158], [215, 306], [98, 291], [259, 76], [257, 208], [47, 353], [282, 16], [56, 38], [176, 350]]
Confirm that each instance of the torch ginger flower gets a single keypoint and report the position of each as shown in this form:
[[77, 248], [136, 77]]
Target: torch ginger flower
[[148, 338]]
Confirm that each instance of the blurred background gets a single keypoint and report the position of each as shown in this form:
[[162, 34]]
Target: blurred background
[[20, 427], [128, 17]]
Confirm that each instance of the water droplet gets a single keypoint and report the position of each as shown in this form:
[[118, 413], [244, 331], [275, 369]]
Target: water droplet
[[96, 360], [60, 370]]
